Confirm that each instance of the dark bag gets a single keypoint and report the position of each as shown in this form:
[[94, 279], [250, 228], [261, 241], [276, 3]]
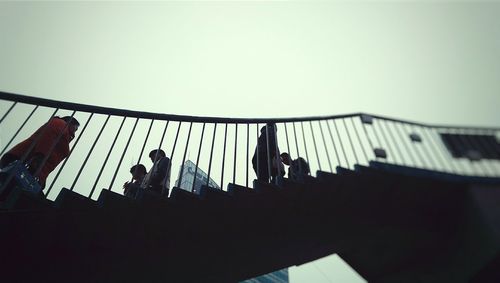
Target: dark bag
[[21, 180]]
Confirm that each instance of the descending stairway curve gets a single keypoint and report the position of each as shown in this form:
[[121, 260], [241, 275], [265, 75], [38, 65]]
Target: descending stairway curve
[[390, 227]]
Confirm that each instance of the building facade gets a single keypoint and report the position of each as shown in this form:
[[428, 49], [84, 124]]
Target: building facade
[[279, 276], [189, 178]]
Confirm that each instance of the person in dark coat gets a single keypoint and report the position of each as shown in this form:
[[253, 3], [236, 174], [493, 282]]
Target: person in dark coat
[[260, 159], [138, 173], [157, 180], [56, 135], [297, 167]]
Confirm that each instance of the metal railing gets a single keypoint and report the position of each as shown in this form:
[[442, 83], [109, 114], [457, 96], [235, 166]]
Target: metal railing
[[222, 148]]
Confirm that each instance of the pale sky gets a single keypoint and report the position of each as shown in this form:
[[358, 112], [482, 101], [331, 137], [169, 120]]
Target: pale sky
[[435, 62]]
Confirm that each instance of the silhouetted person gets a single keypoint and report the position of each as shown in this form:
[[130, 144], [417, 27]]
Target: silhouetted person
[[157, 180], [262, 168], [138, 173], [67, 126], [297, 167]]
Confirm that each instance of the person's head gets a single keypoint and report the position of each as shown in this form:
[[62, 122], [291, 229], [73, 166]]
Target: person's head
[[271, 126], [285, 158], [138, 171], [160, 154], [73, 125]]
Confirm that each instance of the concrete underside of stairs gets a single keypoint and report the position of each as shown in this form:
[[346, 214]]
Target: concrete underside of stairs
[[388, 227]]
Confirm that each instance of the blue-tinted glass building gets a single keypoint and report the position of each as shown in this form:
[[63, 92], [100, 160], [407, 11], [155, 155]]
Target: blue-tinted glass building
[[279, 276], [188, 178]]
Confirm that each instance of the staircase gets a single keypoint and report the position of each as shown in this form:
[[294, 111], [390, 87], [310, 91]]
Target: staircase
[[389, 226], [401, 202]]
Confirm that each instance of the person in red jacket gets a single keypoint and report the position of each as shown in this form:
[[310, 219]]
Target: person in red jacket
[[56, 137]]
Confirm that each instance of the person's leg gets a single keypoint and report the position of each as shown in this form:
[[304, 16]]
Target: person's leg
[[264, 174]]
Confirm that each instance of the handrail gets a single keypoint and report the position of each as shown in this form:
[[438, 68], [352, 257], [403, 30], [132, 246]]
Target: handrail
[[202, 119], [157, 116], [467, 151]]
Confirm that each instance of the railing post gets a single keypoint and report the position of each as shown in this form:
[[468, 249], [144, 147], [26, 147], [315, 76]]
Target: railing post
[[396, 145], [333, 142], [277, 158], [235, 151], [185, 152], [88, 155], [350, 141], [341, 145], [248, 154], [297, 146], [223, 159], [403, 139], [305, 144], [107, 156], [211, 155], [315, 147], [8, 111], [326, 148], [198, 157], [18, 130], [69, 155], [123, 155], [257, 152]]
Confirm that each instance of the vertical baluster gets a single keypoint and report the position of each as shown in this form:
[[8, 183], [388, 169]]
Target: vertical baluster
[[89, 153], [393, 140], [144, 145], [107, 156], [305, 144], [297, 146], [71, 151], [211, 155], [333, 142], [359, 139], [198, 157], [123, 155], [268, 154], [315, 147], [235, 151], [433, 150], [223, 159], [19, 130], [350, 141], [419, 155], [287, 141], [277, 158], [376, 134], [8, 111], [390, 151], [185, 152], [367, 136], [175, 145], [324, 143], [257, 152], [159, 147], [248, 153], [403, 139], [341, 145], [432, 164]]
